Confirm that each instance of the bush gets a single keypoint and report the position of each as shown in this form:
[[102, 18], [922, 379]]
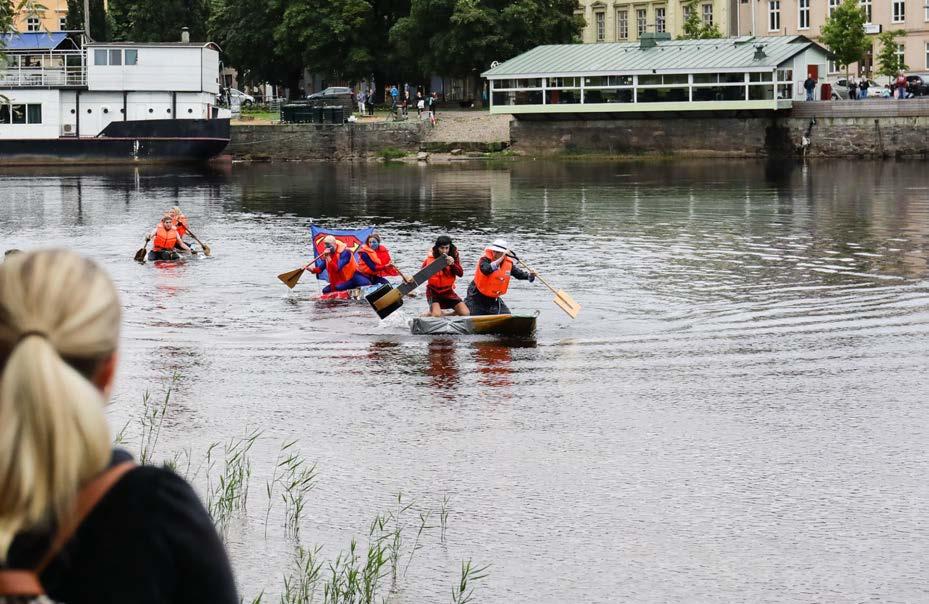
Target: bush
[[391, 153]]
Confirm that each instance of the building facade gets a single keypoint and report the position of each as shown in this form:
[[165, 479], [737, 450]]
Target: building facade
[[806, 18], [47, 15], [627, 20]]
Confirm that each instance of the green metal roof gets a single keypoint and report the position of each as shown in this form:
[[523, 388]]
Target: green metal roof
[[665, 56]]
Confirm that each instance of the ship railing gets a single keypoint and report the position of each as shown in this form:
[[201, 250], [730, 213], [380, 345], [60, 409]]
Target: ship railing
[[15, 76]]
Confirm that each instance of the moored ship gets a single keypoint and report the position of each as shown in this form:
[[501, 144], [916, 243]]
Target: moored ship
[[108, 102]]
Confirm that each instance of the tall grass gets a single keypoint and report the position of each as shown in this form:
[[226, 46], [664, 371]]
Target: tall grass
[[153, 416], [231, 493], [463, 592]]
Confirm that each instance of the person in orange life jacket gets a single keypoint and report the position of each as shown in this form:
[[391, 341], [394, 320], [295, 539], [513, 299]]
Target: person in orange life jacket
[[165, 239], [440, 291], [340, 263], [491, 280], [374, 260]]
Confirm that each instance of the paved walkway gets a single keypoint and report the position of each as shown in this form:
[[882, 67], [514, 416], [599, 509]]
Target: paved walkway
[[918, 107], [468, 127]]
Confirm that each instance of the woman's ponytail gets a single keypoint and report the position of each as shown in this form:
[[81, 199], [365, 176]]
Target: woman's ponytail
[[59, 321]]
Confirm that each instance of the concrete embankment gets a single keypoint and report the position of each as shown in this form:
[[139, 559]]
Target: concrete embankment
[[878, 128]]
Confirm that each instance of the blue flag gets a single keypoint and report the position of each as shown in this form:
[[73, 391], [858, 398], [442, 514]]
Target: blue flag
[[352, 238]]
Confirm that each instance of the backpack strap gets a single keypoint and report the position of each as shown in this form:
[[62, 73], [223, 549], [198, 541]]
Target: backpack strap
[[88, 497]]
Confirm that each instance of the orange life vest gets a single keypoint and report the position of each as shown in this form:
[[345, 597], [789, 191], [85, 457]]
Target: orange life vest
[[363, 268], [164, 239], [495, 284], [442, 280], [180, 223], [337, 276]]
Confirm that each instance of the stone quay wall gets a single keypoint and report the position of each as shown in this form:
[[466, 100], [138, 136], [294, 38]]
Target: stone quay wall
[[322, 141], [878, 128]]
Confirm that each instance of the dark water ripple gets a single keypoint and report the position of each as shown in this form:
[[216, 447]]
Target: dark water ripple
[[739, 413]]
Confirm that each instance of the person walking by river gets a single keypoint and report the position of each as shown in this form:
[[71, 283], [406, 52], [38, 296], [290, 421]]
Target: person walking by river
[[900, 85], [362, 99], [863, 88], [80, 521], [852, 89]]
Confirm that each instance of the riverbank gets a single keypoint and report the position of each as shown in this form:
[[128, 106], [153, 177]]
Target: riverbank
[[878, 129]]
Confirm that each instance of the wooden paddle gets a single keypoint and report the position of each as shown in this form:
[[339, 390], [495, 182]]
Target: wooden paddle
[[206, 248], [562, 299], [290, 278], [140, 255]]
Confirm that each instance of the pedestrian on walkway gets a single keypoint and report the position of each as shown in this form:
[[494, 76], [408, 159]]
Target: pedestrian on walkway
[[370, 104], [852, 89], [901, 85], [362, 98], [420, 104], [394, 99], [809, 85], [863, 88], [430, 103]]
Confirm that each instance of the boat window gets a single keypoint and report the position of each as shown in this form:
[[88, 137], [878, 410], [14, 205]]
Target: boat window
[[99, 57], [19, 114], [34, 113], [116, 57], [4, 114], [132, 57]]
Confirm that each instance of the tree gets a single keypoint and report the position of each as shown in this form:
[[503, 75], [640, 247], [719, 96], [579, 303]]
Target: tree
[[843, 33], [161, 21], [99, 23], [332, 37], [695, 28], [462, 37], [888, 61]]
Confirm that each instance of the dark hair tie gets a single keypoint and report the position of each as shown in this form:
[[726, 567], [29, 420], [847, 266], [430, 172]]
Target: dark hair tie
[[30, 333]]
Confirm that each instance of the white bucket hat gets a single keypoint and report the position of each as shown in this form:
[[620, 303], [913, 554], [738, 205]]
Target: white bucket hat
[[499, 245]]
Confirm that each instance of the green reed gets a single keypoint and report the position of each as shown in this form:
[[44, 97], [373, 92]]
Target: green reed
[[231, 491], [152, 419], [463, 592], [443, 517]]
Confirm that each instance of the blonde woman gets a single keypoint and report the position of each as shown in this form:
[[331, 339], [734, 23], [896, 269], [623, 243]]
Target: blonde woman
[[147, 538]]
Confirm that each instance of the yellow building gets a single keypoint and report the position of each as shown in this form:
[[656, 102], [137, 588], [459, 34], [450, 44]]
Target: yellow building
[[42, 15], [626, 20]]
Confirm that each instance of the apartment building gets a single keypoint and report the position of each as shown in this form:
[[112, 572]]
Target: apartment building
[[47, 15], [627, 20]]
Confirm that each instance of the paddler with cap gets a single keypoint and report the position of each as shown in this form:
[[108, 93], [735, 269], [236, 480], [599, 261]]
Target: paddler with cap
[[339, 261], [491, 280]]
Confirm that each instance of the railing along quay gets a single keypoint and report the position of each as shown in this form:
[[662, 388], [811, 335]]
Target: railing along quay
[[878, 107]]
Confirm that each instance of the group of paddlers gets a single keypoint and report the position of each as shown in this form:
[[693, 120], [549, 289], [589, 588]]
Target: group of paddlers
[[168, 236], [371, 263]]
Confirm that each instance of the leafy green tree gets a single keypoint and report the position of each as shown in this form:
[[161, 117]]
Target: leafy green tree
[[889, 64], [462, 37], [332, 37], [694, 26], [158, 21], [99, 22], [843, 33]]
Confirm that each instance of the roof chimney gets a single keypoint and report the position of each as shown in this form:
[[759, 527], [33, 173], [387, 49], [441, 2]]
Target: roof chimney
[[185, 35], [759, 53]]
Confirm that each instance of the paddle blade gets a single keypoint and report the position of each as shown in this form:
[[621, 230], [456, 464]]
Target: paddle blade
[[206, 250], [567, 303], [140, 255], [291, 278], [385, 300]]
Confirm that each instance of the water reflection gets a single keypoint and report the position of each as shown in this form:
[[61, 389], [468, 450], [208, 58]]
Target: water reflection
[[443, 366]]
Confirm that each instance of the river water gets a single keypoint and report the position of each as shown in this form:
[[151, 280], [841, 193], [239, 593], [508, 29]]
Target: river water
[[739, 413]]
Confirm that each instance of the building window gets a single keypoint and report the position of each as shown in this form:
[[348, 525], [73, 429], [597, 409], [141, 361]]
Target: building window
[[622, 25], [866, 5], [927, 55], [601, 26], [899, 54], [62, 23], [132, 57], [833, 4], [708, 15], [688, 10], [640, 23], [774, 15], [804, 20], [899, 11], [116, 57], [659, 19], [99, 56], [32, 24], [926, 10]]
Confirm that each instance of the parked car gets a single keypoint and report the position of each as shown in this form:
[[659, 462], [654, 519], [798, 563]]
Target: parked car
[[917, 85], [332, 93], [245, 100], [840, 89]]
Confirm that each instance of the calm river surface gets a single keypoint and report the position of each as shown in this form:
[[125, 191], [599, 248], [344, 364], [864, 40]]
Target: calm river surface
[[740, 412]]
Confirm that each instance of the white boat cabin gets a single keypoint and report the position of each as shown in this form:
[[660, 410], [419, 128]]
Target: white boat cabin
[[54, 89]]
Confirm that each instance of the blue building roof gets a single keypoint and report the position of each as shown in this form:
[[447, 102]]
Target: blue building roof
[[39, 40]]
